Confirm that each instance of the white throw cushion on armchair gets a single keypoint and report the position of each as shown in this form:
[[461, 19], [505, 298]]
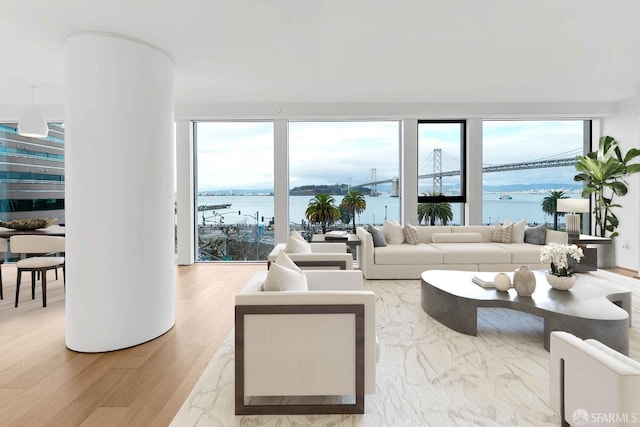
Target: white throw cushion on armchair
[[285, 275]]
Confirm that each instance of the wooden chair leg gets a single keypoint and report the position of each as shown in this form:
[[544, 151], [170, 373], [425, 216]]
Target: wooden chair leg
[[33, 284], [44, 288], [1, 290], [18, 286], [56, 273]]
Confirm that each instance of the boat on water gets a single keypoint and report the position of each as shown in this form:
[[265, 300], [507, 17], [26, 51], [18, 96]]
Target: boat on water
[[505, 197]]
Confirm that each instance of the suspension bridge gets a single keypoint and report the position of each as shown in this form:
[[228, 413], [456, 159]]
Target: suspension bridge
[[435, 160]]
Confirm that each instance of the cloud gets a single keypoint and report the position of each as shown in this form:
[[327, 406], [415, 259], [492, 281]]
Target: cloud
[[239, 154]]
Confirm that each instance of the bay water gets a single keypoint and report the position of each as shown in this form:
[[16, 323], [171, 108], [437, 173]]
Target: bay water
[[259, 209]]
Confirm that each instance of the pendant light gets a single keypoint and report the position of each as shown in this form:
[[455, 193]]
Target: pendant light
[[32, 122]]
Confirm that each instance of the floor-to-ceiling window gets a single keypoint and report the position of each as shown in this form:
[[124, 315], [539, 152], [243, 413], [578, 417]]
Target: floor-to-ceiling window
[[528, 164], [234, 190], [441, 172], [32, 174], [337, 157]]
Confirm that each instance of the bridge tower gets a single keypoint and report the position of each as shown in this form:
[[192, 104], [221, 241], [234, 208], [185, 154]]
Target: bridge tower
[[374, 185], [437, 171], [395, 187]]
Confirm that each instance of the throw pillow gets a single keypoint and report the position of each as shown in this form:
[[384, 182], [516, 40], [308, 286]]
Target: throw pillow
[[456, 238], [393, 233], [296, 246], [280, 278], [502, 234], [411, 234], [536, 235], [517, 236], [377, 236]]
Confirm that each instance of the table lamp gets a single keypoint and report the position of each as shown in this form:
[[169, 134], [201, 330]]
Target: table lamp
[[573, 207]]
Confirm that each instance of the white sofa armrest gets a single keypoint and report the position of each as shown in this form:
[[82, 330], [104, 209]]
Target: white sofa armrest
[[365, 251]]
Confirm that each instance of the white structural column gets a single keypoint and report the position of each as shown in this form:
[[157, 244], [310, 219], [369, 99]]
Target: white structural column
[[120, 151], [185, 201], [281, 179], [409, 168], [473, 207]]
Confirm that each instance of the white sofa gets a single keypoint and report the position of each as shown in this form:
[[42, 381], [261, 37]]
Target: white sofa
[[592, 384], [407, 261], [305, 343]]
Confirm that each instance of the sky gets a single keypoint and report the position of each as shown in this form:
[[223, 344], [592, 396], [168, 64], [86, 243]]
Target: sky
[[239, 155]]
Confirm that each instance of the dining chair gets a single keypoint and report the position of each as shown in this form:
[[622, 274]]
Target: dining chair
[[3, 251], [33, 247]]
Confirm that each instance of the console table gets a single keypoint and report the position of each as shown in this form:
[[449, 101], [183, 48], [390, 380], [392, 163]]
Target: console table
[[586, 242]]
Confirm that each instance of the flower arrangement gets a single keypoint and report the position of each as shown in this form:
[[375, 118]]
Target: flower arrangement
[[558, 255]]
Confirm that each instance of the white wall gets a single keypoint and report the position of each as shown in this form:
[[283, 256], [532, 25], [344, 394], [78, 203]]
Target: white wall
[[625, 128]]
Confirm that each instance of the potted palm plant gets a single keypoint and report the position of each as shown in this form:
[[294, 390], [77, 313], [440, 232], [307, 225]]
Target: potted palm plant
[[603, 173]]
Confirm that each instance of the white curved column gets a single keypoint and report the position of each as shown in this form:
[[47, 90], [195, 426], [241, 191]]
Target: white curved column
[[120, 151]]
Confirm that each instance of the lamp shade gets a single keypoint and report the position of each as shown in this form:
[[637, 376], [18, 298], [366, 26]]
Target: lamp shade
[[32, 123], [573, 205]]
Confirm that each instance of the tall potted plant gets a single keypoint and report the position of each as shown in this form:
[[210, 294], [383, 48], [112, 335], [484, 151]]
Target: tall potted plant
[[603, 173]]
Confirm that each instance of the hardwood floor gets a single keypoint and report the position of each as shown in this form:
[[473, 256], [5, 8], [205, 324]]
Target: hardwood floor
[[44, 383]]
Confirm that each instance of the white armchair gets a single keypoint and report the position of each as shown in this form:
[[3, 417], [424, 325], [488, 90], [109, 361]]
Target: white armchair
[[592, 384], [320, 342], [322, 255]]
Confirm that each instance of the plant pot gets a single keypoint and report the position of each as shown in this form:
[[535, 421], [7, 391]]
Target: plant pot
[[607, 255], [561, 283]]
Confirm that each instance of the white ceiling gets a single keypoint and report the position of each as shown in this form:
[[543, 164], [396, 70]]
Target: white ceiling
[[248, 51]]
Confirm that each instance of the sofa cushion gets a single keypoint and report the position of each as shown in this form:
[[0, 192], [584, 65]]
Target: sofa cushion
[[502, 234], [393, 232], [517, 235], [411, 235], [377, 236], [456, 237], [485, 230], [521, 253], [536, 235], [472, 253], [425, 231], [407, 255]]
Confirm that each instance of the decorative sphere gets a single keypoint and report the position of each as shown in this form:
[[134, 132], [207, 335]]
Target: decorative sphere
[[502, 282]]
